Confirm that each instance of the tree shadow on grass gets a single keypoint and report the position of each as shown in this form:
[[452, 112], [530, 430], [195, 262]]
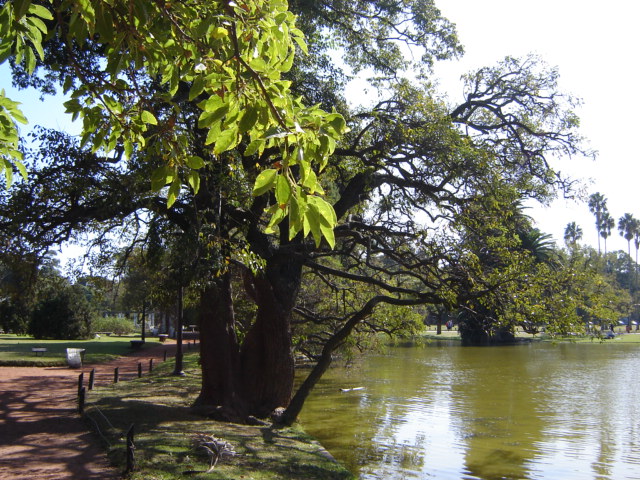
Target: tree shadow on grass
[[165, 441]]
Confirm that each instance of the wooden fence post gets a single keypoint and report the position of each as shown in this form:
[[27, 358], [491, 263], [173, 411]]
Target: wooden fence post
[[81, 398], [139, 369], [150, 365], [131, 458], [80, 381], [116, 374], [92, 378], [165, 356]]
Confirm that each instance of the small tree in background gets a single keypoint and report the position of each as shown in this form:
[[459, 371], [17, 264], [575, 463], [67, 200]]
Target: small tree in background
[[572, 234], [62, 314], [598, 206], [606, 226]]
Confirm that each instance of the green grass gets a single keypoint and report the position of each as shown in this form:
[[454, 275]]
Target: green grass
[[621, 337], [624, 338], [158, 407], [16, 350]]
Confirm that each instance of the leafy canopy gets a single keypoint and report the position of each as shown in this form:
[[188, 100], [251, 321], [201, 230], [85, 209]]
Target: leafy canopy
[[231, 54]]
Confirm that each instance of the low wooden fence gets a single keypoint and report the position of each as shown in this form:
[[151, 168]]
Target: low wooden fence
[[123, 372]]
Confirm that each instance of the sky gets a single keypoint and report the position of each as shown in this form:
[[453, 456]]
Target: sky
[[594, 45]]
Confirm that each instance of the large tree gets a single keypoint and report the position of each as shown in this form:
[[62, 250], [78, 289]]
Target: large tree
[[399, 188]]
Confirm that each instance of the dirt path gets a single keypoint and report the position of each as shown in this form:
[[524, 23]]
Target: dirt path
[[41, 435]]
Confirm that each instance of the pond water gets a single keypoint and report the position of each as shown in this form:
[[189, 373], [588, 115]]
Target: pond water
[[564, 411]]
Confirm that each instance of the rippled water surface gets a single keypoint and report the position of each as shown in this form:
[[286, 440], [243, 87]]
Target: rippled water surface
[[566, 411]]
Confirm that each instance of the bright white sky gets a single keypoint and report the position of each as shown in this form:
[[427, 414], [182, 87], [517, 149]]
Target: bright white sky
[[593, 43], [595, 46]]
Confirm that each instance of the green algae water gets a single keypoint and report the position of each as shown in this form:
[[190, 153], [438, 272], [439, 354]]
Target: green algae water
[[535, 411]]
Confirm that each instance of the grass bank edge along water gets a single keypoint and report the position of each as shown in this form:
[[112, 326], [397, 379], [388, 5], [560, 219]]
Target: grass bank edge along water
[[167, 432]]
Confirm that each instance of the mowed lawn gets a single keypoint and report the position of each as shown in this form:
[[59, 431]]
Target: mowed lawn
[[17, 350]]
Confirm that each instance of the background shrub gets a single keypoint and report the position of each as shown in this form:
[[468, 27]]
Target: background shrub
[[14, 317], [115, 325], [62, 314]]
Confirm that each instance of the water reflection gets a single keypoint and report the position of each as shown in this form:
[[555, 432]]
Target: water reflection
[[532, 411]]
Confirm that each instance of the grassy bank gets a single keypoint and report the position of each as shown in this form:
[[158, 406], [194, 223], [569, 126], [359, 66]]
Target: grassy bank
[[16, 350], [620, 337], [158, 407]]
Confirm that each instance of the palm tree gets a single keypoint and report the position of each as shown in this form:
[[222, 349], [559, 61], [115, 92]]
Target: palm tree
[[628, 226], [597, 206], [541, 245], [572, 234], [606, 224]]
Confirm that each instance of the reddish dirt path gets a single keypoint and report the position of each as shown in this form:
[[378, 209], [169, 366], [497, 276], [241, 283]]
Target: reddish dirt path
[[41, 435]]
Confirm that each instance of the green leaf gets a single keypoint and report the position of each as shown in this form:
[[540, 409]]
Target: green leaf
[[194, 180], [301, 43], [39, 49], [248, 120], [297, 208], [327, 145], [195, 162], [5, 51], [8, 173], [197, 87], [104, 23], [265, 181], [278, 215], [254, 147], [213, 103], [337, 122], [326, 211], [30, 60], [160, 177], [212, 135], [258, 64], [226, 140], [174, 191], [128, 148], [288, 63], [148, 117], [312, 223], [310, 180], [208, 118], [38, 24], [41, 12], [326, 218], [20, 8], [21, 168], [283, 190], [298, 158]]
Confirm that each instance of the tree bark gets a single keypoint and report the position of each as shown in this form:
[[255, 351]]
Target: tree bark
[[144, 321], [219, 350], [266, 354]]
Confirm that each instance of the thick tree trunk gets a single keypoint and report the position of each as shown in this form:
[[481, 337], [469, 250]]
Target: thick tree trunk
[[144, 321], [257, 377], [219, 350], [266, 353]]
